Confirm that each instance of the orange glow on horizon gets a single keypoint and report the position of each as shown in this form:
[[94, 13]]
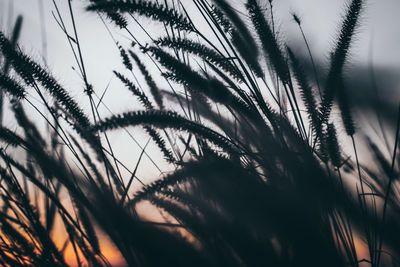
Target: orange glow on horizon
[[109, 251]]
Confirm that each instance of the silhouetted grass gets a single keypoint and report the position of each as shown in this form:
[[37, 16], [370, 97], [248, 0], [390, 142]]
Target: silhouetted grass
[[250, 186]]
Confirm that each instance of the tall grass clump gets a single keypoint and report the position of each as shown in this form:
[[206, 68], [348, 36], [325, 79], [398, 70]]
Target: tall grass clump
[[260, 173]]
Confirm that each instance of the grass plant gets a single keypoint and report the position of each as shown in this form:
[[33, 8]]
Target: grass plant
[[260, 176]]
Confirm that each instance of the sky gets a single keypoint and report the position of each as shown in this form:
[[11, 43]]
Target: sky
[[378, 37], [377, 41], [320, 18]]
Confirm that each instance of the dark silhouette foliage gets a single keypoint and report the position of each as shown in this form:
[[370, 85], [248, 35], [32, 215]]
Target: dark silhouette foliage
[[256, 180]]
